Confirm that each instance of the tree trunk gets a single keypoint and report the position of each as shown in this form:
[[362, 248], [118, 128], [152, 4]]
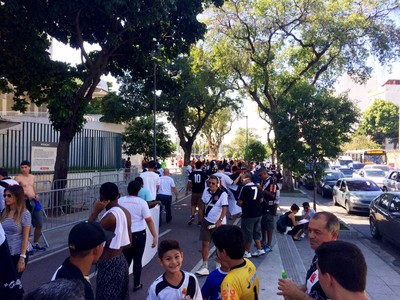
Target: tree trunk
[[287, 182], [61, 165], [187, 149]]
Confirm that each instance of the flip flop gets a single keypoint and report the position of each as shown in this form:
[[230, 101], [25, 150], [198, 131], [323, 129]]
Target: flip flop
[[138, 287]]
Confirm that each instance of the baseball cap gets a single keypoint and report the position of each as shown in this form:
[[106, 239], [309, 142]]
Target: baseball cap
[[258, 167], [87, 235]]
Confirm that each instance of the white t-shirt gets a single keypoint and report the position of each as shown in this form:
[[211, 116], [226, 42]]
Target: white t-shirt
[[216, 208], [150, 181], [166, 184], [311, 213], [139, 210]]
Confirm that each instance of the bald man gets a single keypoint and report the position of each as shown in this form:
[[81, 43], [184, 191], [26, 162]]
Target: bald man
[[164, 194]]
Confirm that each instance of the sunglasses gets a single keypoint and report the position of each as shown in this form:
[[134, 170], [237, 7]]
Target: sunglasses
[[212, 183], [7, 195]]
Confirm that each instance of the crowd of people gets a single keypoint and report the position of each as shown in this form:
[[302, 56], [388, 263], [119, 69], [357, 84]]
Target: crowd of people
[[219, 191]]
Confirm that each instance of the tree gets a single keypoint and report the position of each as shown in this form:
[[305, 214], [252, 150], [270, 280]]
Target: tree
[[271, 46], [256, 151], [138, 138], [216, 127], [237, 147], [189, 93], [381, 121], [360, 142], [126, 41], [310, 126]]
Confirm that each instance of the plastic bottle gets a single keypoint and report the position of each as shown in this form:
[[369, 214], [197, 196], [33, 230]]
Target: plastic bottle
[[284, 275]]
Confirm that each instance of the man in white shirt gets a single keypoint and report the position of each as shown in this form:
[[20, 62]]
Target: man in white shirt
[[215, 202], [151, 179], [164, 194]]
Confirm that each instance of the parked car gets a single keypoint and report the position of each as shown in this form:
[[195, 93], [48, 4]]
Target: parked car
[[346, 171], [325, 186], [307, 181], [391, 183], [356, 166], [375, 175], [384, 168], [384, 217], [355, 194]]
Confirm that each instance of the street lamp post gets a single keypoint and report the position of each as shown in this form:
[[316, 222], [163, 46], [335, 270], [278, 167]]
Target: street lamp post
[[247, 138], [155, 110]]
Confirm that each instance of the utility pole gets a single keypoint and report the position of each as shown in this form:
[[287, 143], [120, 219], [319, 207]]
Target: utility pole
[[247, 138]]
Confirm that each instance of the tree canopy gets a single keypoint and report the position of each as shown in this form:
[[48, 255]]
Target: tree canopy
[[311, 124], [237, 147], [138, 138], [216, 127], [269, 47], [381, 121], [127, 33]]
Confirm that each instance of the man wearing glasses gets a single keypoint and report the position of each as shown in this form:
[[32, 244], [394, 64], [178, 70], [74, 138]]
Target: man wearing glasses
[[215, 204]]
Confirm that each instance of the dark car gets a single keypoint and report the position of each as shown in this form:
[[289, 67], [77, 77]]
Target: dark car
[[346, 171], [384, 217], [325, 186], [356, 166]]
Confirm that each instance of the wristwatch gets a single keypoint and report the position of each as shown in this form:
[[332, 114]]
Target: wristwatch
[[22, 255]]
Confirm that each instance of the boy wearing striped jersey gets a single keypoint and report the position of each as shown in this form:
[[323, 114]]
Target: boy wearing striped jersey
[[174, 283]]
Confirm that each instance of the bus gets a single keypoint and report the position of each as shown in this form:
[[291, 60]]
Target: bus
[[368, 156]]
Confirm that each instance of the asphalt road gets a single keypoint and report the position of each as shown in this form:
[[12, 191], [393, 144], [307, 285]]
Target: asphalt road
[[359, 221]]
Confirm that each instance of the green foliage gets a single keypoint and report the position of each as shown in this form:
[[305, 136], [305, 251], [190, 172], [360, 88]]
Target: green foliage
[[237, 147], [216, 127], [312, 124], [95, 106], [256, 151], [128, 34], [381, 121], [360, 142], [138, 138]]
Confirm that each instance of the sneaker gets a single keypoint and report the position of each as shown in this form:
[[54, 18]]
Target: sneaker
[[258, 253], [267, 248], [30, 252], [191, 220], [203, 271], [37, 247], [303, 235], [247, 254]]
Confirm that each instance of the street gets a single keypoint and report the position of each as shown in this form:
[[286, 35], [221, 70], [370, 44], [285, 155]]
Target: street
[[387, 251]]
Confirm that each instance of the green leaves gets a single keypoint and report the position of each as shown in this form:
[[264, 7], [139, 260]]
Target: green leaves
[[381, 121]]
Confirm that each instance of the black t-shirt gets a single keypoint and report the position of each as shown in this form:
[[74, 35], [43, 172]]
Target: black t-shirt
[[198, 179], [251, 206], [70, 271], [316, 291], [269, 206]]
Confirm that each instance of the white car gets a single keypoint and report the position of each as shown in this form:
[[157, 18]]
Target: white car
[[384, 168], [376, 175]]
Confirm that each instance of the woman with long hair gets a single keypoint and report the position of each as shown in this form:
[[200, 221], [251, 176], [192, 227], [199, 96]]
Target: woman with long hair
[[16, 222]]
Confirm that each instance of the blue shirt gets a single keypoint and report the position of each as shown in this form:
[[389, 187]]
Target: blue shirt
[[145, 194], [212, 287]]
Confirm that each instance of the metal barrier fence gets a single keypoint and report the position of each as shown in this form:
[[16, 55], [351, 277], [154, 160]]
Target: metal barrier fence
[[74, 202]]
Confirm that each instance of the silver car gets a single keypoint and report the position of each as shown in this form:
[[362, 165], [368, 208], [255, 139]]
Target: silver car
[[355, 194], [392, 182]]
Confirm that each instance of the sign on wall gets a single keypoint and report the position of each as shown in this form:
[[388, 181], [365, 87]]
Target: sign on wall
[[43, 156]]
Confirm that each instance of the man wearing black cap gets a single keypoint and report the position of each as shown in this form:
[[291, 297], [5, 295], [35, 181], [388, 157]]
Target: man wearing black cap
[[86, 244]]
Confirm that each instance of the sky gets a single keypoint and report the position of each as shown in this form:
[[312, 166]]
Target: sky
[[64, 53]]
